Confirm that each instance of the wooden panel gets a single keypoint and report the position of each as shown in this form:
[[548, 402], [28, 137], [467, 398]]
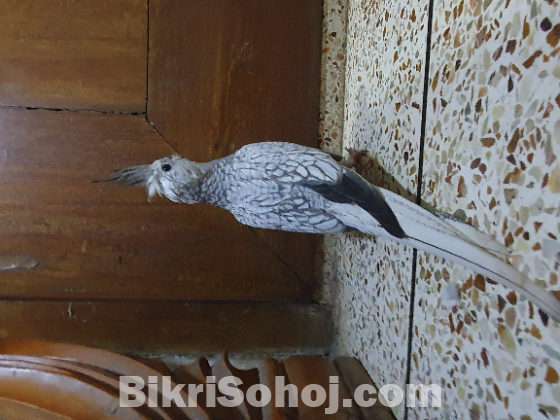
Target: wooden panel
[[222, 368], [171, 327], [84, 54], [299, 251], [196, 373], [223, 74], [269, 370], [15, 410], [226, 73], [97, 241], [317, 370], [354, 374], [58, 392]]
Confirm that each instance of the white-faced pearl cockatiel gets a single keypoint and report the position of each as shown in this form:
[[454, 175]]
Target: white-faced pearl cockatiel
[[289, 187]]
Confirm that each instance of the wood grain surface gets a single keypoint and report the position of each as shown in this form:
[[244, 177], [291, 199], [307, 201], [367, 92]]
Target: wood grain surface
[[223, 74], [99, 241], [66, 54], [171, 327], [115, 271]]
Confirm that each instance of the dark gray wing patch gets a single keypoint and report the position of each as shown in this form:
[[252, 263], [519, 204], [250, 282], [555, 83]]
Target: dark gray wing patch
[[352, 188]]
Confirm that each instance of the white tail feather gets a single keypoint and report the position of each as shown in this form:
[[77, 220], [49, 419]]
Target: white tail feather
[[480, 238], [435, 234]]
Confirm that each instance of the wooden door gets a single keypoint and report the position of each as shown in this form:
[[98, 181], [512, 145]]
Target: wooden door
[[117, 271]]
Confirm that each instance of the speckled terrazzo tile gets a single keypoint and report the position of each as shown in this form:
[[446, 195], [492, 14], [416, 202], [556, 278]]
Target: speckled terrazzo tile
[[333, 63], [331, 116], [371, 307], [384, 87], [491, 156]]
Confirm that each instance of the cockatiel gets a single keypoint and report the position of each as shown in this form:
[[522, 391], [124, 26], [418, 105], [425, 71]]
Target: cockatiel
[[290, 187]]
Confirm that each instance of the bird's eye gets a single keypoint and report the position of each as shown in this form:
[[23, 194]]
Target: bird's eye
[[166, 167]]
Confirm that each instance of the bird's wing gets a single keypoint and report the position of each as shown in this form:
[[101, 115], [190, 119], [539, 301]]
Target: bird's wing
[[352, 188], [294, 164], [294, 220], [286, 163]]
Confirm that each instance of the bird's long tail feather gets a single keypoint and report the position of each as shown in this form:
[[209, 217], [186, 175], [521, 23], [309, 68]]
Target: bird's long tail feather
[[429, 232], [479, 238], [441, 235]]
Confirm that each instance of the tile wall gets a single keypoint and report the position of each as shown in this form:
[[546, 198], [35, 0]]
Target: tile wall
[[491, 157]]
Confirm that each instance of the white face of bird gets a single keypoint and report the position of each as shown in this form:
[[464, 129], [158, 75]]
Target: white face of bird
[[166, 176]]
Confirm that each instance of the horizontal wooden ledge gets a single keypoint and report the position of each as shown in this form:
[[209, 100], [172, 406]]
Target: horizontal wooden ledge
[[172, 327]]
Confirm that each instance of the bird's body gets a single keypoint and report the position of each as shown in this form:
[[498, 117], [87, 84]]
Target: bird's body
[[257, 197], [289, 187]]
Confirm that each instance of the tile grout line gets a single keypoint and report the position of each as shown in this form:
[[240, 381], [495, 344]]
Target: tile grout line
[[419, 194]]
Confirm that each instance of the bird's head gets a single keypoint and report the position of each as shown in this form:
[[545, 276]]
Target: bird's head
[[167, 176]]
